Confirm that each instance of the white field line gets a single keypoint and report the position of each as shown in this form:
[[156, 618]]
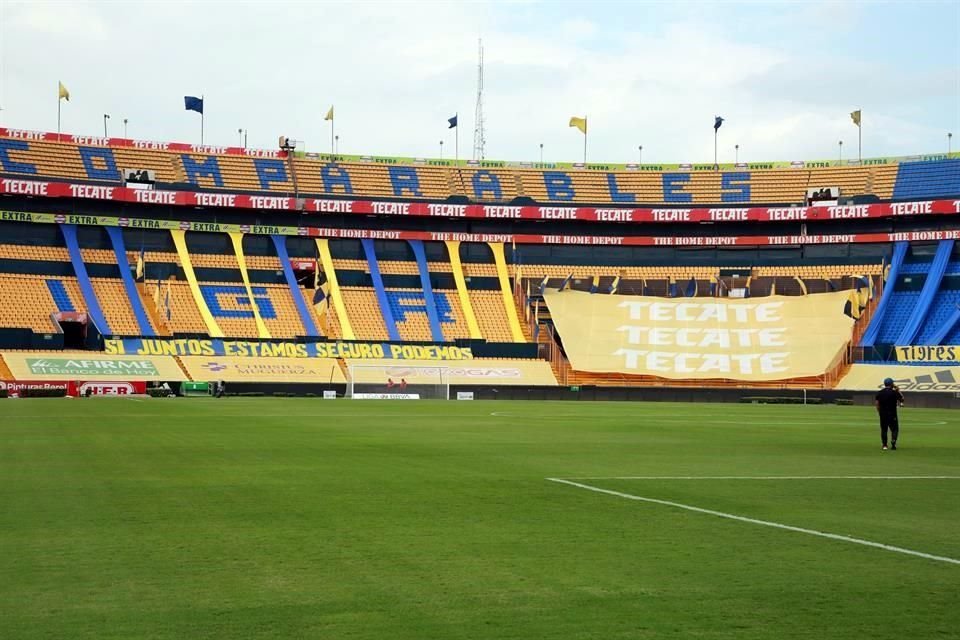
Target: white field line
[[759, 478], [765, 523], [346, 413], [693, 418]]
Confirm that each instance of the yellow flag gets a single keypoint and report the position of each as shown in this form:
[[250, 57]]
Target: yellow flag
[[579, 123], [329, 114], [855, 116], [63, 92], [854, 305]]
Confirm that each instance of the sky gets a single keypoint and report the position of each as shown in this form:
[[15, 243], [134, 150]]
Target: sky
[[785, 76]]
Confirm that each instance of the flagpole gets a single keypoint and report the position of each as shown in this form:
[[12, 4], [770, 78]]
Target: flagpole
[[457, 144], [716, 130], [584, 146], [59, 100], [331, 135], [202, 109], [860, 137]]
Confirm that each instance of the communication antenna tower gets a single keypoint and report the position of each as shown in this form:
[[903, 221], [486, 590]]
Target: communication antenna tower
[[479, 136]]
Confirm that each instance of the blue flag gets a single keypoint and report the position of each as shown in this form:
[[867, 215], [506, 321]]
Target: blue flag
[[452, 121], [193, 103], [717, 121]]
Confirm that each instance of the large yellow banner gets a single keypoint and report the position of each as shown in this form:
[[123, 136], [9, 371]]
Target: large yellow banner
[[754, 339]]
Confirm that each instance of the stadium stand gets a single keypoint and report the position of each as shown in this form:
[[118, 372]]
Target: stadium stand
[[60, 296], [230, 307], [901, 306], [927, 179], [943, 307], [924, 291], [27, 301], [938, 324], [116, 306], [364, 312], [238, 285], [491, 315], [45, 159], [184, 316], [227, 299]]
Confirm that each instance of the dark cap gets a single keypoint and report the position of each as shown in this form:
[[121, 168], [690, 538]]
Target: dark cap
[[888, 382]]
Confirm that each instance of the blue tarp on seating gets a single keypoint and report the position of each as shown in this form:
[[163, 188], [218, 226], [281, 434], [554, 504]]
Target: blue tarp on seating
[[378, 287], [86, 287], [120, 251]]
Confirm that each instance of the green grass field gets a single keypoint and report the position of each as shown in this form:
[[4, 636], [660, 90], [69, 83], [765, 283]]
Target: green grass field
[[299, 518]]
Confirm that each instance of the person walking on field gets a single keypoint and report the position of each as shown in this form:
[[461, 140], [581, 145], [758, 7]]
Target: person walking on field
[[887, 401]]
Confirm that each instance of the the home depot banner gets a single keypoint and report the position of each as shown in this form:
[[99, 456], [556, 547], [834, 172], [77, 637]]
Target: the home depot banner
[[771, 338]]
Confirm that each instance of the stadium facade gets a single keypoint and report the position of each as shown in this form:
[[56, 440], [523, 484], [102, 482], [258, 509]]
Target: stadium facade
[[135, 262]]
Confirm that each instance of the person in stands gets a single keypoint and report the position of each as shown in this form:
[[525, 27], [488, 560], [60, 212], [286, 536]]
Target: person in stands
[[887, 401]]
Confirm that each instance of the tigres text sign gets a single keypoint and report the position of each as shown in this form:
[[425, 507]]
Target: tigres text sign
[[932, 353], [772, 338]]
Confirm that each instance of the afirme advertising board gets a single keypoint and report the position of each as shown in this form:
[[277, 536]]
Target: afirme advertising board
[[91, 366]]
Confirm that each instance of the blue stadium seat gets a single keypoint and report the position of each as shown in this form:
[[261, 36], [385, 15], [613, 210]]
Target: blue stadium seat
[[231, 301], [927, 179], [944, 304], [60, 297], [898, 312]]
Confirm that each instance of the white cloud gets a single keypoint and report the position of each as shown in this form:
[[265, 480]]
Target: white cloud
[[73, 19]]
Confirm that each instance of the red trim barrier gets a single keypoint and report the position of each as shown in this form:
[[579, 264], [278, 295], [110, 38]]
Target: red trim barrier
[[56, 189], [127, 143], [14, 387], [76, 388], [441, 236], [100, 388]]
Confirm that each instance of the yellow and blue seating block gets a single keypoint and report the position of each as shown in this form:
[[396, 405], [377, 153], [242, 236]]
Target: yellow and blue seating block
[[43, 159]]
